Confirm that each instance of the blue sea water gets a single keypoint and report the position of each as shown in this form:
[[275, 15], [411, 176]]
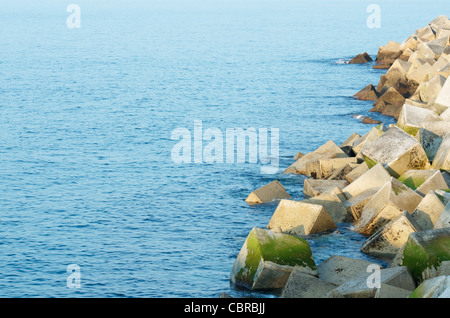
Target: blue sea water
[[86, 117]]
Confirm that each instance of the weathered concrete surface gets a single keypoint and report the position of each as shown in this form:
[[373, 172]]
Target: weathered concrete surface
[[327, 151], [430, 89], [338, 269], [300, 218], [425, 250], [442, 158], [397, 151], [390, 99], [367, 93], [411, 118], [315, 187], [355, 204], [347, 145], [432, 288], [361, 59], [375, 177], [367, 138], [332, 203], [302, 285], [423, 181], [444, 218], [360, 287], [388, 291], [324, 168], [357, 172], [431, 135], [268, 193], [443, 100], [387, 241], [388, 203], [428, 211], [267, 259]]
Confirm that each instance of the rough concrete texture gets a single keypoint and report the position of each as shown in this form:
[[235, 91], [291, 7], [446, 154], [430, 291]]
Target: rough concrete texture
[[302, 285], [388, 203], [268, 193], [425, 250], [267, 259], [428, 211], [315, 187], [397, 151], [300, 218], [375, 177], [339, 269], [387, 241], [442, 158]]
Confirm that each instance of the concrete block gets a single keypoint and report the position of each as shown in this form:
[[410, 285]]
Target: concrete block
[[423, 181], [388, 203], [431, 135], [387, 241], [442, 158], [425, 250], [315, 187], [338, 269], [411, 118], [268, 193], [327, 151], [375, 177], [428, 211], [300, 218], [397, 151], [301, 285], [267, 259], [355, 204]]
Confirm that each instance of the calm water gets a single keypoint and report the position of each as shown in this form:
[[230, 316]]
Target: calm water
[[86, 117]]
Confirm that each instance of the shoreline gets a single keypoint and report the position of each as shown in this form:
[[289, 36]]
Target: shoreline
[[390, 183]]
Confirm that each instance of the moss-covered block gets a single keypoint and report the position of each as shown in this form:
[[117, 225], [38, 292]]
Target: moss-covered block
[[425, 250], [266, 253]]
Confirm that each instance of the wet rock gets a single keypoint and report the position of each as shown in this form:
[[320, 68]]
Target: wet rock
[[267, 259], [268, 193], [389, 103]]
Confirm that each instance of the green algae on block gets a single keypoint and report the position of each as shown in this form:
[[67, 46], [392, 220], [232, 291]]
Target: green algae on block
[[282, 252], [369, 162], [425, 251]]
